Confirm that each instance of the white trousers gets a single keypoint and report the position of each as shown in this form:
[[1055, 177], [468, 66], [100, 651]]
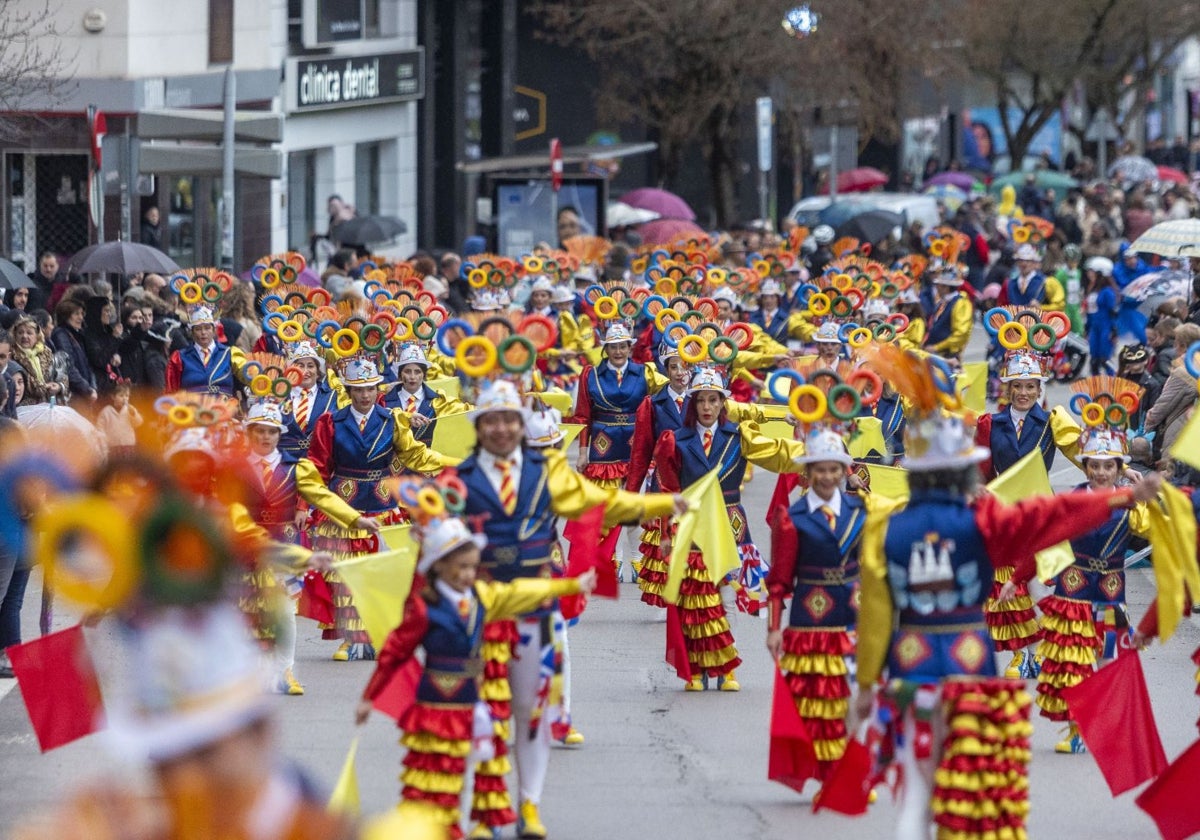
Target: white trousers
[[915, 820], [524, 676]]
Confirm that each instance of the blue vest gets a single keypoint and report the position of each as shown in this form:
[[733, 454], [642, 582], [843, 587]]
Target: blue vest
[[667, 416], [453, 663], [614, 410], [296, 440], [826, 575], [777, 329], [891, 419], [940, 325], [362, 459], [1035, 291], [1035, 434], [214, 378], [939, 573], [725, 452], [1098, 573], [518, 545], [398, 397], [274, 506]]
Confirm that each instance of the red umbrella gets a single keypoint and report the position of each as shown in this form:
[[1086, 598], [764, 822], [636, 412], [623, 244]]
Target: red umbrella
[[666, 204], [1170, 173], [668, 231], [859, 180]]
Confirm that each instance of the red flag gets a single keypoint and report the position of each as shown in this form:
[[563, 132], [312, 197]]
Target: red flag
[[677, 656], [1112, 709], [316, 599], [556, 164], [791, 760], [59, 684], [1170, 800], [588, 551], [847, 789], [784, 485], [401, 691]]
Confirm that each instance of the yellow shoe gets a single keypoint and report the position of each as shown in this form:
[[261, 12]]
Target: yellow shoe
[[871, 797], [694, 684], [729, 682], [342, 654], [291, 684], [481, 832], [529, 825], [1072, 744], [1013, 671], [573, 738]]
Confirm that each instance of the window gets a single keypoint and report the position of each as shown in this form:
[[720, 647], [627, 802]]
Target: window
[[301, 198], [366, 178], [220, 31]]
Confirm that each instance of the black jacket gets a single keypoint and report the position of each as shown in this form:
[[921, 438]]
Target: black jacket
[[79, 375]]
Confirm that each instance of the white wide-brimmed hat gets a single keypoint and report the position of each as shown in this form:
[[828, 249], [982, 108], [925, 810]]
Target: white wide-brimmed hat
[[707, 379], [542, 427], [822, 443], [265, 412], [359, 371], [618, 333], [411, 354], [442, 537], [497, 395]]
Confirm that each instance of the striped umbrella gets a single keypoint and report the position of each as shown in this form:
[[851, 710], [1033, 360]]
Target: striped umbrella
[[1177, 238]]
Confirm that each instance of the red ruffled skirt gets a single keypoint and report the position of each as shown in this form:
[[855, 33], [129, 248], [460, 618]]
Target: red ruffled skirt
[[438, 740], [814, 668], [1013, 624], [706, 632], [491, 804], [652, 578], [1069, 649]]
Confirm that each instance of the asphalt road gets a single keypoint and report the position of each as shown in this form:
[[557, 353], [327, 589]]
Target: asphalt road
[[657, 762]]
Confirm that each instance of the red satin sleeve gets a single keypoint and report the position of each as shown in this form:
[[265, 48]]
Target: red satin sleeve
[[785, 547], [1014, 533], [174, 373], [642, 447], [320, 451], [583, 408], [666, 459], [983, 437], [401, 644]]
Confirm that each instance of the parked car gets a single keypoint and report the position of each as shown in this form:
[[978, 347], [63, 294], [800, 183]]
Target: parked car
[[815, 210]]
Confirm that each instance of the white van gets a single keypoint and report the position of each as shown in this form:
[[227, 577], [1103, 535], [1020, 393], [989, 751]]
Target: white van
[[914, 207]]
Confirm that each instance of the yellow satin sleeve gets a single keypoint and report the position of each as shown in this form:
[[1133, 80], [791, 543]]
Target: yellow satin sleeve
[[875, 597], [913, 336], [1139, 519], [523, 595], [778, 456], [277, 555], [335, 382], [962, 320], [763, 343], [655, 381], [1056, 298], [800, 327], [753, 360], [572, 495], [739, 412], [237, 360], [313, 490], [440, 365], [443, 405], [1065, 432], [413, 454]]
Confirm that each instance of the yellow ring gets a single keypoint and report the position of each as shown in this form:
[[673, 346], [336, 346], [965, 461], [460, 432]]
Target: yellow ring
[[819, 304], [716, 276], [1014, 326], [842, 282], [1097, 412], [290, 330], [335, 342], [610, 306], [666, 286], [859, 337], [181, 415], [470, 343], [270, 279], [104, 522], [260, 385], [692, 358], [190, 293], [430, 501], [477, 278], [402, 322], [800, 391], [665, 316]]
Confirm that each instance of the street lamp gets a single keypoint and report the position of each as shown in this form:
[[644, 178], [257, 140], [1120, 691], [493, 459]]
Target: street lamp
[[800, 22]]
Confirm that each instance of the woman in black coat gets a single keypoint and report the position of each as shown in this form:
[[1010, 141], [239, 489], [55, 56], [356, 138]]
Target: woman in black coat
[[101, 342], [68, 339]]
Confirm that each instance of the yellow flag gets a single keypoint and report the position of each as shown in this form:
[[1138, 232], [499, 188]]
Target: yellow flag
[[707, 525], [1173, 535], [1187, 446], [345, 800], [560, 399], [870, 436], [570, 432], [410, 820], [379, 584], [972, 386], [448, 385], [888, 482], [454, 435], [778, 429], [396, 537], [1026, 478]]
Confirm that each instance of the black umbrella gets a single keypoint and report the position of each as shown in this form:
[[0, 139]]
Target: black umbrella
[[125, 258], [369, 230], [12, 277], [872, 226]]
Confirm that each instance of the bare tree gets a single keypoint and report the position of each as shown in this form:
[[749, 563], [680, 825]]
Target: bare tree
[[33, 63]]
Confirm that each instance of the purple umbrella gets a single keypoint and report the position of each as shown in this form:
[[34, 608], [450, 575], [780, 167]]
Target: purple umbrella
[[666, 204], [955, 179], [668, 231]]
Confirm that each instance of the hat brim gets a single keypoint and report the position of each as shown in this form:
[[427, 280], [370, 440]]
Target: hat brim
[[363, 383], [263, 421], [476, 413], [927, 463], [1024, 377], [477, 540], [844, 459]]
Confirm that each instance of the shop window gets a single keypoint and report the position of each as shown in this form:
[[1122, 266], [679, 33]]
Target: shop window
[[301, 198], [366, 178], [220, 31]]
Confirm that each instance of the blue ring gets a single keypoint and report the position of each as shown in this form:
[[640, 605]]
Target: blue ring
[[777, 376], [674, 342], [444, 330], [1189, 359], [987, 319]]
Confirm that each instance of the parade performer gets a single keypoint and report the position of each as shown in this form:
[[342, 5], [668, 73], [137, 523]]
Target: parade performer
[[277, 482], [1086, 619], [926, 571], [354, 449], [1020, 427], [311, 398], [574, 339], [206, 366], [517, 493], [448, 730], [708, 440], [421, 403], [769, 318], [1028, 286], [908, 304], [953, 317], [814, 552]]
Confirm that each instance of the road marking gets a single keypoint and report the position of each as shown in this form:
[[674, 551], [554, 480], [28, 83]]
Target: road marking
[[6, 686]]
